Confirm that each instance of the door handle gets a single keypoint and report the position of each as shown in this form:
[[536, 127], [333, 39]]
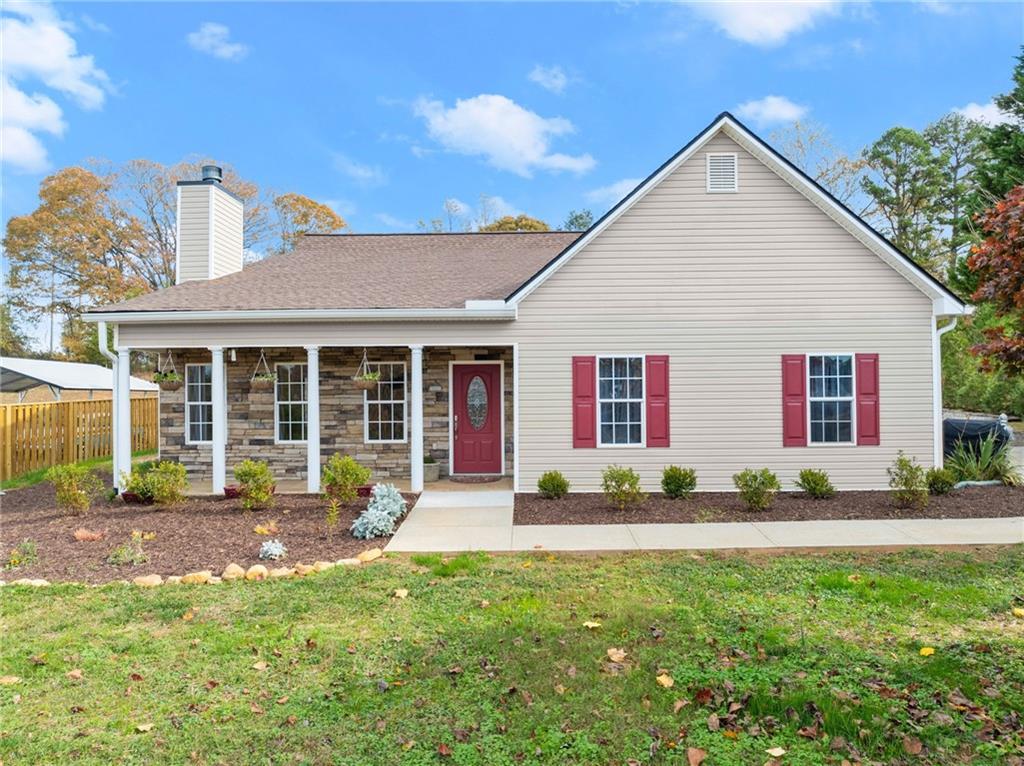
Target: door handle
[[456, 426]]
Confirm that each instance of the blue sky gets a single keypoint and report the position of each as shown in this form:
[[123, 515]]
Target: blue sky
[[386, 110]]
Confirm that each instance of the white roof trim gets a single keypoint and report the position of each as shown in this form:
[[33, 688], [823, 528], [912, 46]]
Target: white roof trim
[[944, 302], [500, 310]]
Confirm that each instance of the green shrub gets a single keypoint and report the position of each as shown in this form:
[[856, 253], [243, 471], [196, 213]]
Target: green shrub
[[940, 481], [621, 486], [76, 487], [908, 482], [756, 488], [129, 553], [553, 485], [24, 554], [678, 482], [342, 476], [163, 482], [255, 484], [985, 462], [815, 483]]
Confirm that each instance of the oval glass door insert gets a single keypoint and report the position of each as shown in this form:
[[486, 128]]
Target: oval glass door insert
[[476, 402]]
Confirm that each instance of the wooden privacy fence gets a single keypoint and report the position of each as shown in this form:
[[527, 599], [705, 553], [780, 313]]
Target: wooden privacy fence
[[53, 433]]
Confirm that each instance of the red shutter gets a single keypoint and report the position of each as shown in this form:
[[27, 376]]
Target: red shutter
[[794, 400], [584, 401], [868, 432], [657, 401]]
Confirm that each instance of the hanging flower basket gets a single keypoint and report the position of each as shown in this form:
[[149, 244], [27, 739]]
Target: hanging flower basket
[[265, 379], [168, 381], [365, 379]]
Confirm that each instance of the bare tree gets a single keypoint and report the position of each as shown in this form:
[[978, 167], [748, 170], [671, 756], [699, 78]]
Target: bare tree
[[809, 146]]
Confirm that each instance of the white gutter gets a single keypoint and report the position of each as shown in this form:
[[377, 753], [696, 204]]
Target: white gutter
[[491, 312], [937, 333], [101, 342]]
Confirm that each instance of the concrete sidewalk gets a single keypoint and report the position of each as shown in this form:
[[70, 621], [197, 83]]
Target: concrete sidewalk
[[450, 522]]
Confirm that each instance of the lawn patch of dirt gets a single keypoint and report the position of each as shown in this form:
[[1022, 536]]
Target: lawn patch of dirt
[[592, 508], [199, 533]]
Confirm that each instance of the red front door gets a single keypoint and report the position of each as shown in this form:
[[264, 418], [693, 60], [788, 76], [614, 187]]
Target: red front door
[[476, 418]]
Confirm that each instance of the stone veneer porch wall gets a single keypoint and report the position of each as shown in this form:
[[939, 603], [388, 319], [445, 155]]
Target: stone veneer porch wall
[[251, 414]]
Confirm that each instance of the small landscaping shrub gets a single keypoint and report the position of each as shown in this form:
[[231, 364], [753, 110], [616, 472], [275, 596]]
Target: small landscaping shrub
[[24, 553], [255, 483], [373, 522], [815, 483], [273, 550], [332, 516], [162, 482], [757, 488], [986, 462], [678, 482], [342, 476], [130, 553], [387, 498], [553, 485], [908, 482], [940, 481], [621, 486], [76, 487]]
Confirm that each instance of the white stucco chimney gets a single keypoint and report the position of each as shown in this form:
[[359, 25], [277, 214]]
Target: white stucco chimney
[[209, 228]]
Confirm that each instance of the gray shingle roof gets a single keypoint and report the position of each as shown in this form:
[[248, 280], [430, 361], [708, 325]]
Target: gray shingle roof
[[370, 271]]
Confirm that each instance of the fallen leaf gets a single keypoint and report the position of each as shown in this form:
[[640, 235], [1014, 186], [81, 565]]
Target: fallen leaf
[[730, 734], [261, 666], [74, 675], [256, 709], [559, 689], [927, 651], [443, 750], [401, 592], [776, 752], [912, 745], [695, 756], [527, 564], [665, 680], [679, 705], [282, 700], [1018, 612], [9, 680], [144, 727], [484, 603], [713, 722], [591, 625], [616, 655], [188, 616], [135, 677]]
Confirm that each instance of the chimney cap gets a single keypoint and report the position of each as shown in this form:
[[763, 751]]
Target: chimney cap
[[212, 173]]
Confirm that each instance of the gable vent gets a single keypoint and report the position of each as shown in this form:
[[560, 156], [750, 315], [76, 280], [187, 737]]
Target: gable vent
[[722, 173]]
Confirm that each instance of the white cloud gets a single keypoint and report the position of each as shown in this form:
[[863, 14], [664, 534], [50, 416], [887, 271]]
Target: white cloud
[[771, 110], [938, 7], [509, 136], [765, 23], [38, 47], [362, 174], [215, 39], [344, 207], [94, 24], [551, 78], [987, 113], [458, 207], [612, 193]]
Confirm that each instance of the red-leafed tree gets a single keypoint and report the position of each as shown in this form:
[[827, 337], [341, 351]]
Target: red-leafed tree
[[998, 261]]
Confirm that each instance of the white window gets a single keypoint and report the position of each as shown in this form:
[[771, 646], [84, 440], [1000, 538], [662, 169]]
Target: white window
[[290, 403], [384, 408], [198, 403], [830, 378], [620, 396], [721, 172]]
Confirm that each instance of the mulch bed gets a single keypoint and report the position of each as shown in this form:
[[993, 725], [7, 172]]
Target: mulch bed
[[199, 533], [592, 508]]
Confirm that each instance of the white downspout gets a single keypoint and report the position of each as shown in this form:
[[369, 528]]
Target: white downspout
[[937, 333], [101, 330]]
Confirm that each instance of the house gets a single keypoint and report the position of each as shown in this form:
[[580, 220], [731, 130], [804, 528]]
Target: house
[[727, 313]]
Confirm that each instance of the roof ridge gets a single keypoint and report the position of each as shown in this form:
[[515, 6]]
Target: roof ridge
[[431, 233]]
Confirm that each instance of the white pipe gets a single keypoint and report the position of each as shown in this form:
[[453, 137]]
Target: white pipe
[[101, 342], [937, 333], [313, 419]]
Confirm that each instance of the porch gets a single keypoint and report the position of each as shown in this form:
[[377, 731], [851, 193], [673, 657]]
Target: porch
[[223, 414]]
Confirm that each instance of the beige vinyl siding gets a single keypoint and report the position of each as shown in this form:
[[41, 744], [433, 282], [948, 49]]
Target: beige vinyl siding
[[227, 234], [193, 233], [725, 284]]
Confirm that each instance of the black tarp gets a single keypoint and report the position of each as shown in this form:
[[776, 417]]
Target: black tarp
[[972, 432]]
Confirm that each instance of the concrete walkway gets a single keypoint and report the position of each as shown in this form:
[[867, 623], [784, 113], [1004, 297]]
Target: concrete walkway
[[447, 522]]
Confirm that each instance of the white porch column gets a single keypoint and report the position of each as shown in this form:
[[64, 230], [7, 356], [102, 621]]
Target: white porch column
[[313, 419], [122, 417], [220, 420], [416, 424]]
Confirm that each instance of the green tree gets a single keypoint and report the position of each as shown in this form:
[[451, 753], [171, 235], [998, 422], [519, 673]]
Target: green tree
[[13, 339], [959, 141], [578, 220], [516, 223], [1002, 168], [904, 185]]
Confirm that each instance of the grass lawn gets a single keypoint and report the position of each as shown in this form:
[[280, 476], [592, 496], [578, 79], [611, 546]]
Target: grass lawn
[[488, 661], [39, 475]]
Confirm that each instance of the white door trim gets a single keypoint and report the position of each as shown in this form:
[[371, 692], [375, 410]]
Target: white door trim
[[451, 407]]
